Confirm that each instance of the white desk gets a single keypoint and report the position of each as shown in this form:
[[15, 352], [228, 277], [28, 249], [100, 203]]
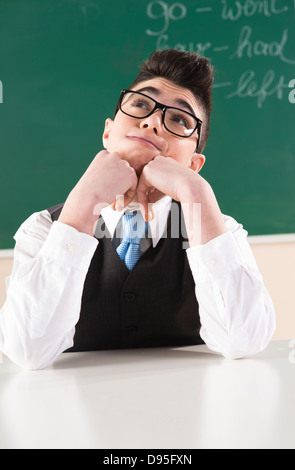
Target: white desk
[[183, 398]]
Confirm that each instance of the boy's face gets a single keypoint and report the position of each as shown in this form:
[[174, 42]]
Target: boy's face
[[140, 140]]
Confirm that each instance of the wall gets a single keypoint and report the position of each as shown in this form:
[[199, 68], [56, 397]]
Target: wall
[[276, 261]]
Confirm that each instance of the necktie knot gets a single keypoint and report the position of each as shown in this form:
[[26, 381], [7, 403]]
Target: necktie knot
[[133, 230], [133, 227]]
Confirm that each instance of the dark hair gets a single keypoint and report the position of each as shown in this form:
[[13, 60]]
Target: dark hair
[[186, 69]]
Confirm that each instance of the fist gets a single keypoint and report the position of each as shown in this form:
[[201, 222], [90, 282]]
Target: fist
[[107, 177]]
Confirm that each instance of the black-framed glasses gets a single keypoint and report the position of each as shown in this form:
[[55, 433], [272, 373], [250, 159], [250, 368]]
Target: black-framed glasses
[[177, 121]]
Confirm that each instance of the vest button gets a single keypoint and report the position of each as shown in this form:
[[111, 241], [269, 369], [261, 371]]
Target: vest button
[[129, 297]]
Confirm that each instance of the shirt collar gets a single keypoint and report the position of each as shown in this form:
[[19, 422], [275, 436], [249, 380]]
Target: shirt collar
[[157, 225]]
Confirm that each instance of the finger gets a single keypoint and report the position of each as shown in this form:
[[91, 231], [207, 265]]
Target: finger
[[143, 198], [129, 196], [154, 195], [123, 200], [131, 192]]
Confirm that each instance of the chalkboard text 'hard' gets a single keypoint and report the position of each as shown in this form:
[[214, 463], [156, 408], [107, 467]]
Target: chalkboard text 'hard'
[[249, 47]]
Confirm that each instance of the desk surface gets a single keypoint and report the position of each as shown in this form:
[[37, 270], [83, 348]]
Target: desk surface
[[180, 398]]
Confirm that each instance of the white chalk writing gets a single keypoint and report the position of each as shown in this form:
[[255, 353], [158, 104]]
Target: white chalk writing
[[248, 86], [1, 92], [249, 43], [158, 9], [292, 92], [199, 47], [203, 10], [251, 48], [250, 8]]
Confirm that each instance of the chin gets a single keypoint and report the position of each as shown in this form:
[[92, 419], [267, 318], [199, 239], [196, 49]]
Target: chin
[[136, 155], [138, 163], [137, 168]]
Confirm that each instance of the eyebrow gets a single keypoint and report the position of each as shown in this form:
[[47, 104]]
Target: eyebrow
[[179, 101]]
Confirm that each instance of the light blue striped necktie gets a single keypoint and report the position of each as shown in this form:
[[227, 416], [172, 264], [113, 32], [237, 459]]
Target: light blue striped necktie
[[133, 229]]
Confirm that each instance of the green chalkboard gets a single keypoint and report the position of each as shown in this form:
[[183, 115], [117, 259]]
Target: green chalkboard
[[64, 62]]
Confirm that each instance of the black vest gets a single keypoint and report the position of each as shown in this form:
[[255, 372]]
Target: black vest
[[153, 305]]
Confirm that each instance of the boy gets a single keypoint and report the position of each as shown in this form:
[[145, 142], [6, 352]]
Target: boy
[[74, 284]]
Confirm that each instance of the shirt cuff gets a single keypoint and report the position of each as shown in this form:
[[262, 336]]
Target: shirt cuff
[[216, 259], [69, 247]]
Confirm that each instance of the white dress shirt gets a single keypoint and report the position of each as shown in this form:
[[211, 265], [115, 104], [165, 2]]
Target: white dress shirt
[[51, 260]]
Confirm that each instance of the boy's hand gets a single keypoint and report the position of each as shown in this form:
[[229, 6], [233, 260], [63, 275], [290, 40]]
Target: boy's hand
[[166, 176], [107, 176]]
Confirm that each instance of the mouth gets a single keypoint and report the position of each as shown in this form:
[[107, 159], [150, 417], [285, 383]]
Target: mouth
[[145, 142]]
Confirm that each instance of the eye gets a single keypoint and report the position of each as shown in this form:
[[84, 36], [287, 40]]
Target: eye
[[141, 103], [180, 119]]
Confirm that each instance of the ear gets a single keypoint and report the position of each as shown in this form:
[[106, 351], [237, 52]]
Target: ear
[[106, 133], [196, 162]]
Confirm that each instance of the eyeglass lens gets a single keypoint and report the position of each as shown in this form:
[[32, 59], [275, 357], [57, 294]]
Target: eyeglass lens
[[176, 121]]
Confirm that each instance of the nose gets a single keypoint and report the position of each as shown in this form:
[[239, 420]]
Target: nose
[[154, 121]]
